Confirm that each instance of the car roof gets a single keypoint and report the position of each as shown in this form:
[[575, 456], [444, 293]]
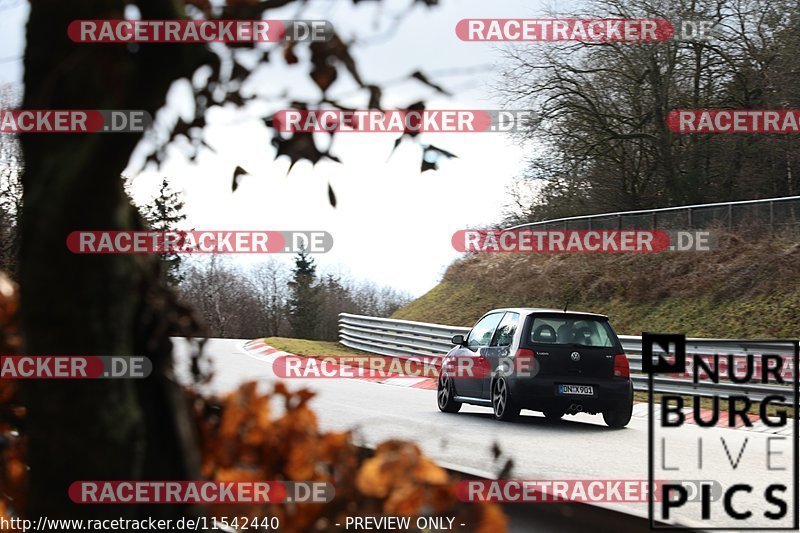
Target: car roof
[[525, 311]]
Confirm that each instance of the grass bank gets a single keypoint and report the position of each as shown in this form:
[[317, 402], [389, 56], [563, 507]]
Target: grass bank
[[741, 289]]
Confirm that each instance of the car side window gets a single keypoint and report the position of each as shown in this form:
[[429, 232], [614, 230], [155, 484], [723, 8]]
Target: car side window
[[482, 332], [504, 335]]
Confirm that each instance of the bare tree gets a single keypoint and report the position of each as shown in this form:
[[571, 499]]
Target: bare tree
[[270, 285], [603, 138]]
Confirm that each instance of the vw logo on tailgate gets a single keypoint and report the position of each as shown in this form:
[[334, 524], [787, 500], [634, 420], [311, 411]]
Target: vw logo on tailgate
[[575, 356]]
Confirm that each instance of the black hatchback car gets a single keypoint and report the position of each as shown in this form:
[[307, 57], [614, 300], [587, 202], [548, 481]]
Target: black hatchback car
[[556, 362]]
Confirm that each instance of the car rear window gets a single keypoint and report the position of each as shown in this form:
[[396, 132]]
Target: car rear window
[[569, 330]]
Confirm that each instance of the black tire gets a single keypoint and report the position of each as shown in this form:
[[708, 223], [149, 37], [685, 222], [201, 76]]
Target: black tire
[[503, 406], [444, 395], [620, 416], [553, 415]]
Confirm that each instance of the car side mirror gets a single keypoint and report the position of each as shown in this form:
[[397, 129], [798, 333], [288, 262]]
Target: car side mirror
[[458, 340]]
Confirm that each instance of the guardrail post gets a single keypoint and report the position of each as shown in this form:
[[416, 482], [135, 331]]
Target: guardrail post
[[730, 217], [619, 222], [689, 216], [772, 217], [654, 220]]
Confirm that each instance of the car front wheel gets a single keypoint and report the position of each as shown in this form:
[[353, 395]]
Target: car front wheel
[[502, 405], [444, 395]]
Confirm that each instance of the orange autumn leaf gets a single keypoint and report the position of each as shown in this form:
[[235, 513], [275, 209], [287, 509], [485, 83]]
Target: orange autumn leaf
[[244, 441], [10, 341], [405, 500], [491, 519]]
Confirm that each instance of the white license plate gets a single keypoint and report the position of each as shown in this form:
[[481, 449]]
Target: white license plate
[[586, 390]]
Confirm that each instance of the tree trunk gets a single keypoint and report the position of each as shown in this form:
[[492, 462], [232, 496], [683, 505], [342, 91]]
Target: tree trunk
[[94, 305]]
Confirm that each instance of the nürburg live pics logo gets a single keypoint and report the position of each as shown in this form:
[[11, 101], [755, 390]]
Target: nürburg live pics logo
[[722, 410]]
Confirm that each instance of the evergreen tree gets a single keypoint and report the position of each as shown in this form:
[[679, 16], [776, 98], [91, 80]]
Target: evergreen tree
[[165, 213], [334, 298], [303, 297]]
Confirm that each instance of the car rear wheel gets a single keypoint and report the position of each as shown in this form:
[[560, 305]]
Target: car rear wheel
[[445, 394], [502, 405], [621, 414]]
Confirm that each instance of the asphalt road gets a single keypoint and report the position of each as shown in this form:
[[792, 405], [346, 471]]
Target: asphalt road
[[578, 447]]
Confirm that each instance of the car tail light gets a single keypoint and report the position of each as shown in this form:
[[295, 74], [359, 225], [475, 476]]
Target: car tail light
[[621, 367], [524, 361]]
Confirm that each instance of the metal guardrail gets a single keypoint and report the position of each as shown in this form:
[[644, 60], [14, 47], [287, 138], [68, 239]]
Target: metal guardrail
[[747, 215], [404, 338]]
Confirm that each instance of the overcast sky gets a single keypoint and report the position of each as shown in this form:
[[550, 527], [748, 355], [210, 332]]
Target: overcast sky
[[392, 224]]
